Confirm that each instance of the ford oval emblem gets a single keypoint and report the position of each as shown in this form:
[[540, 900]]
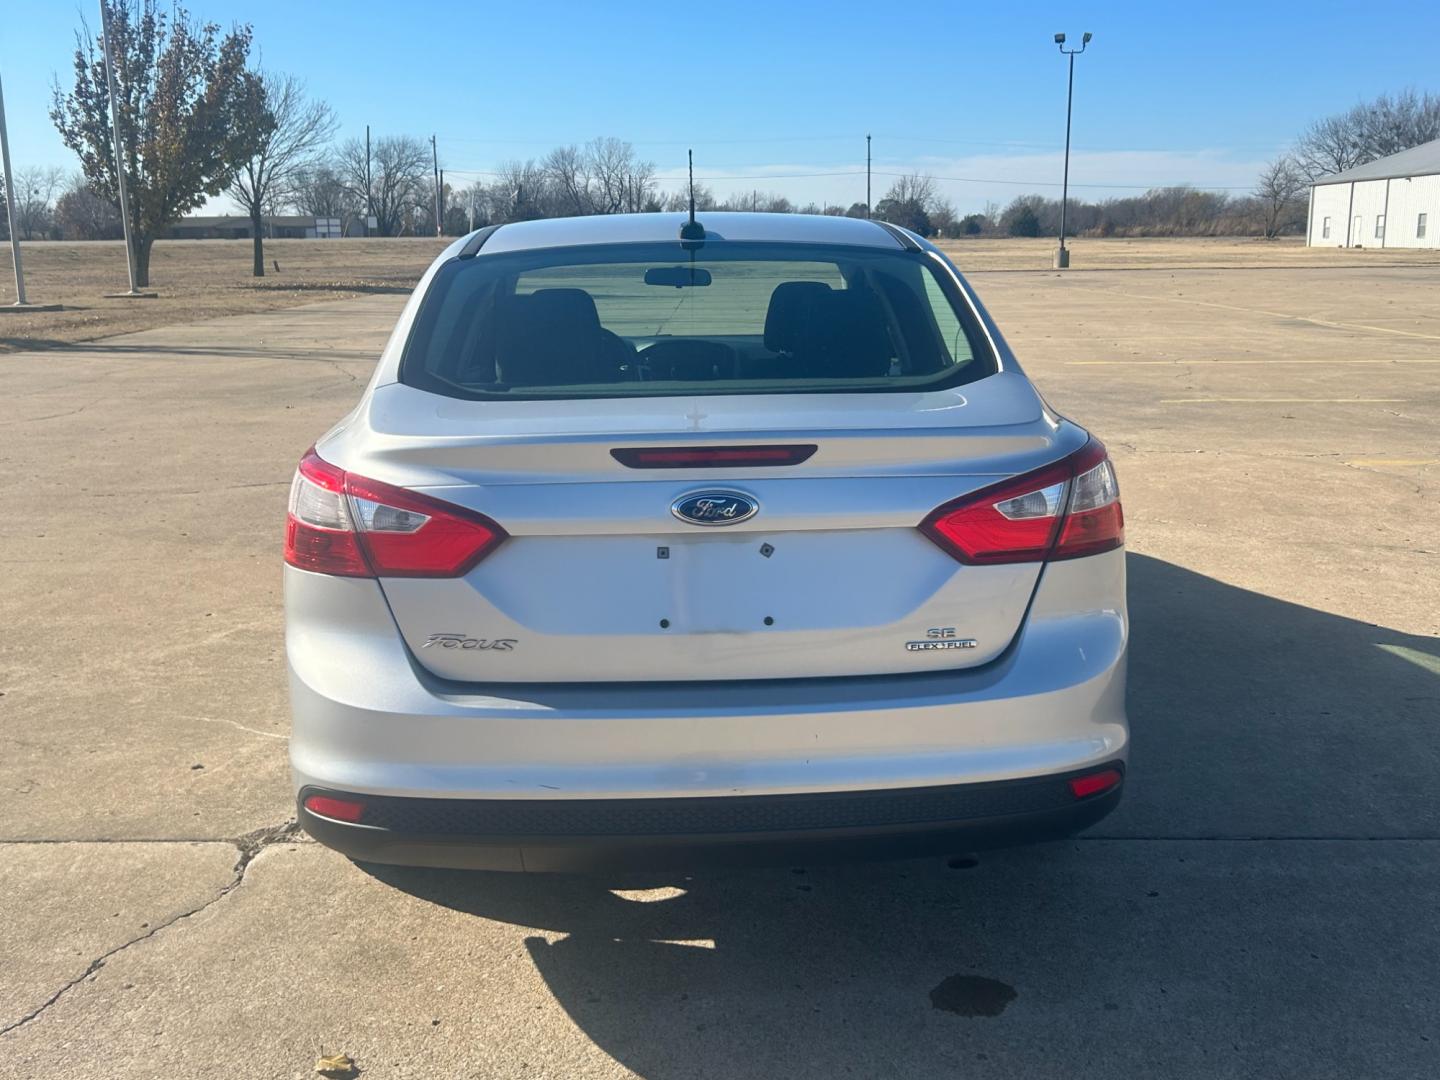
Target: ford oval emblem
[[714, 508]]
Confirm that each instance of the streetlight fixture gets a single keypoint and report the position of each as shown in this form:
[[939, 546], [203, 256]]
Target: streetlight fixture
[[1062, 255]]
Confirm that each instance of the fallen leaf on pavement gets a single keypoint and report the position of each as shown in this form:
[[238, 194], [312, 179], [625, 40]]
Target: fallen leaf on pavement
[[336, 1065]]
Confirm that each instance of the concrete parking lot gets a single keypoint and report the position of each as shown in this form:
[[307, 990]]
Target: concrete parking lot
[[1263, 904]]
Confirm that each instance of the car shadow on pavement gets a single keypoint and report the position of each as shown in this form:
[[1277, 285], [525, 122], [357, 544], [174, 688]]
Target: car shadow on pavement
[[1199, 929]]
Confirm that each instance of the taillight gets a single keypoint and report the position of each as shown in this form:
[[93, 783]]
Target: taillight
[[345, 524], [1061, 511]]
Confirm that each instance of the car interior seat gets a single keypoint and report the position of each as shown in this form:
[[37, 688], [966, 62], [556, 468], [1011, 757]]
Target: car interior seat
[[553, 337]]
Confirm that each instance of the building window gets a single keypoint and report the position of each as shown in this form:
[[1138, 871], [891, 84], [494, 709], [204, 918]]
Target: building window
[[1379, 226], [1325, 228], [1420, 227]]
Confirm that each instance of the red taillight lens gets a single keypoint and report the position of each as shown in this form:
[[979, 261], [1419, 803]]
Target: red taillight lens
[[1084, 786], [338, 809], [406, 534], [1061, 511], [341, 523]]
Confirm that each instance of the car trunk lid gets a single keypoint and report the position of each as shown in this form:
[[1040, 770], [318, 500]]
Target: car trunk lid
[[604, 576]]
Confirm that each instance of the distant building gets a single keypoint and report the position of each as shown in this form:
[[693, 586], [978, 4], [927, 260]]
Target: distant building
[[1392, 202], [236, 227]]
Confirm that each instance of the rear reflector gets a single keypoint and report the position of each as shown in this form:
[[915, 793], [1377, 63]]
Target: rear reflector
[[338, 809], [344, 524], [1084, 786], [711, 457], [1060, 511]]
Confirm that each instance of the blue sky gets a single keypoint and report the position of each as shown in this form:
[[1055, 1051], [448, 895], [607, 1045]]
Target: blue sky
[[764, 92]]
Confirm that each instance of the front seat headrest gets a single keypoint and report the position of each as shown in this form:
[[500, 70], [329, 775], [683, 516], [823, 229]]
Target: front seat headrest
[[549, 337], [786, 317]]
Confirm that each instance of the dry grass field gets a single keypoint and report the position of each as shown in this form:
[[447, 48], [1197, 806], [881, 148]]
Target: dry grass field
[[199, 279], [193, 279]]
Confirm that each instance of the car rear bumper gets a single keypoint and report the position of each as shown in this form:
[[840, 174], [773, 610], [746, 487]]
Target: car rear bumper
[[368, 720], [560, 835]]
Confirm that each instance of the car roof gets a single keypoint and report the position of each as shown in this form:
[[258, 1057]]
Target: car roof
[[659, 228]]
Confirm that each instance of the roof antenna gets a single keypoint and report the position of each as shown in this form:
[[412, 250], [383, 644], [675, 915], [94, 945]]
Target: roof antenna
[[692, 233]]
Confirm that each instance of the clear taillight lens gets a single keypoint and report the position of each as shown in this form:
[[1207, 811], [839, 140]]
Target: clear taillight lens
[[319, 533], [341, 523], [1061, 511], [1094, 521]]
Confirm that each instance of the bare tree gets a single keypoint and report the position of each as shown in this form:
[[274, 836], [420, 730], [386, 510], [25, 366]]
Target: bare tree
[[1332, 145], [911, 202], [1408, 119], [36, 188], [1368, 131], [569, 171], [603, 177], [521, 192], [1278, 189], [81, 213], [398, 171], [680, 200], [914, 188], [319, 190], [297, 130]]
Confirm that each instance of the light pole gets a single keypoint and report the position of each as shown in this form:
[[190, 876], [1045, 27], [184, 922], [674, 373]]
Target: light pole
[[1062, 256], [867, 176], [119, 151], [10, 208]]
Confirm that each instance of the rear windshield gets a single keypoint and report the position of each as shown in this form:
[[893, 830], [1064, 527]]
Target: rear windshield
[[729, 318]]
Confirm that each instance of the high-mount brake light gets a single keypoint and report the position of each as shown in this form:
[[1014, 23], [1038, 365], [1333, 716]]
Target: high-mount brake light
[[1061, 511], [344, 524], [711, 457]]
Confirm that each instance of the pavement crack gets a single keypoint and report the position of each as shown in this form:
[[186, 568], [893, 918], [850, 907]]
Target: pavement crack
[[248, 845]]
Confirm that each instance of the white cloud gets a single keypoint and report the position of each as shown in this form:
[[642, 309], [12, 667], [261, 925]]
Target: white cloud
[[973, 180]]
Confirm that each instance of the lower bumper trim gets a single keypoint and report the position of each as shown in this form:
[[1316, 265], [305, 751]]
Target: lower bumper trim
[[577, 835]]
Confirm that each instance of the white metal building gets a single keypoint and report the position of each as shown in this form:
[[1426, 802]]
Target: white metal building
[[1393, 202]]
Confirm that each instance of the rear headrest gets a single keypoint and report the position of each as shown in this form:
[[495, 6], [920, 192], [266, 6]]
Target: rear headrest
[[786, 317], [846, 336]]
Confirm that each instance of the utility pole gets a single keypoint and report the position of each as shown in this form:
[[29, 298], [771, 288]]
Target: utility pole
[[119, 147], [440, 217], [435, 165], [20, 300], [369, 202], [1062, 256], [867, 176]]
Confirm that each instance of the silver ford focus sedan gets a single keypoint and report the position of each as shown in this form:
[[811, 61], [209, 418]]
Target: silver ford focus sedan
[[655, 542]]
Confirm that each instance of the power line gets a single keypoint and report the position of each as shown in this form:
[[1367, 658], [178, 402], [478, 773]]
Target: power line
[[1014, 144], [651, 142], [921, 172]]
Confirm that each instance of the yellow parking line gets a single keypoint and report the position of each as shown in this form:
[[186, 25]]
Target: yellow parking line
[[1394, 461], [1284, 400]]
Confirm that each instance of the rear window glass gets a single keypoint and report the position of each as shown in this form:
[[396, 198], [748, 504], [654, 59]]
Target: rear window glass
[[727, 318]]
